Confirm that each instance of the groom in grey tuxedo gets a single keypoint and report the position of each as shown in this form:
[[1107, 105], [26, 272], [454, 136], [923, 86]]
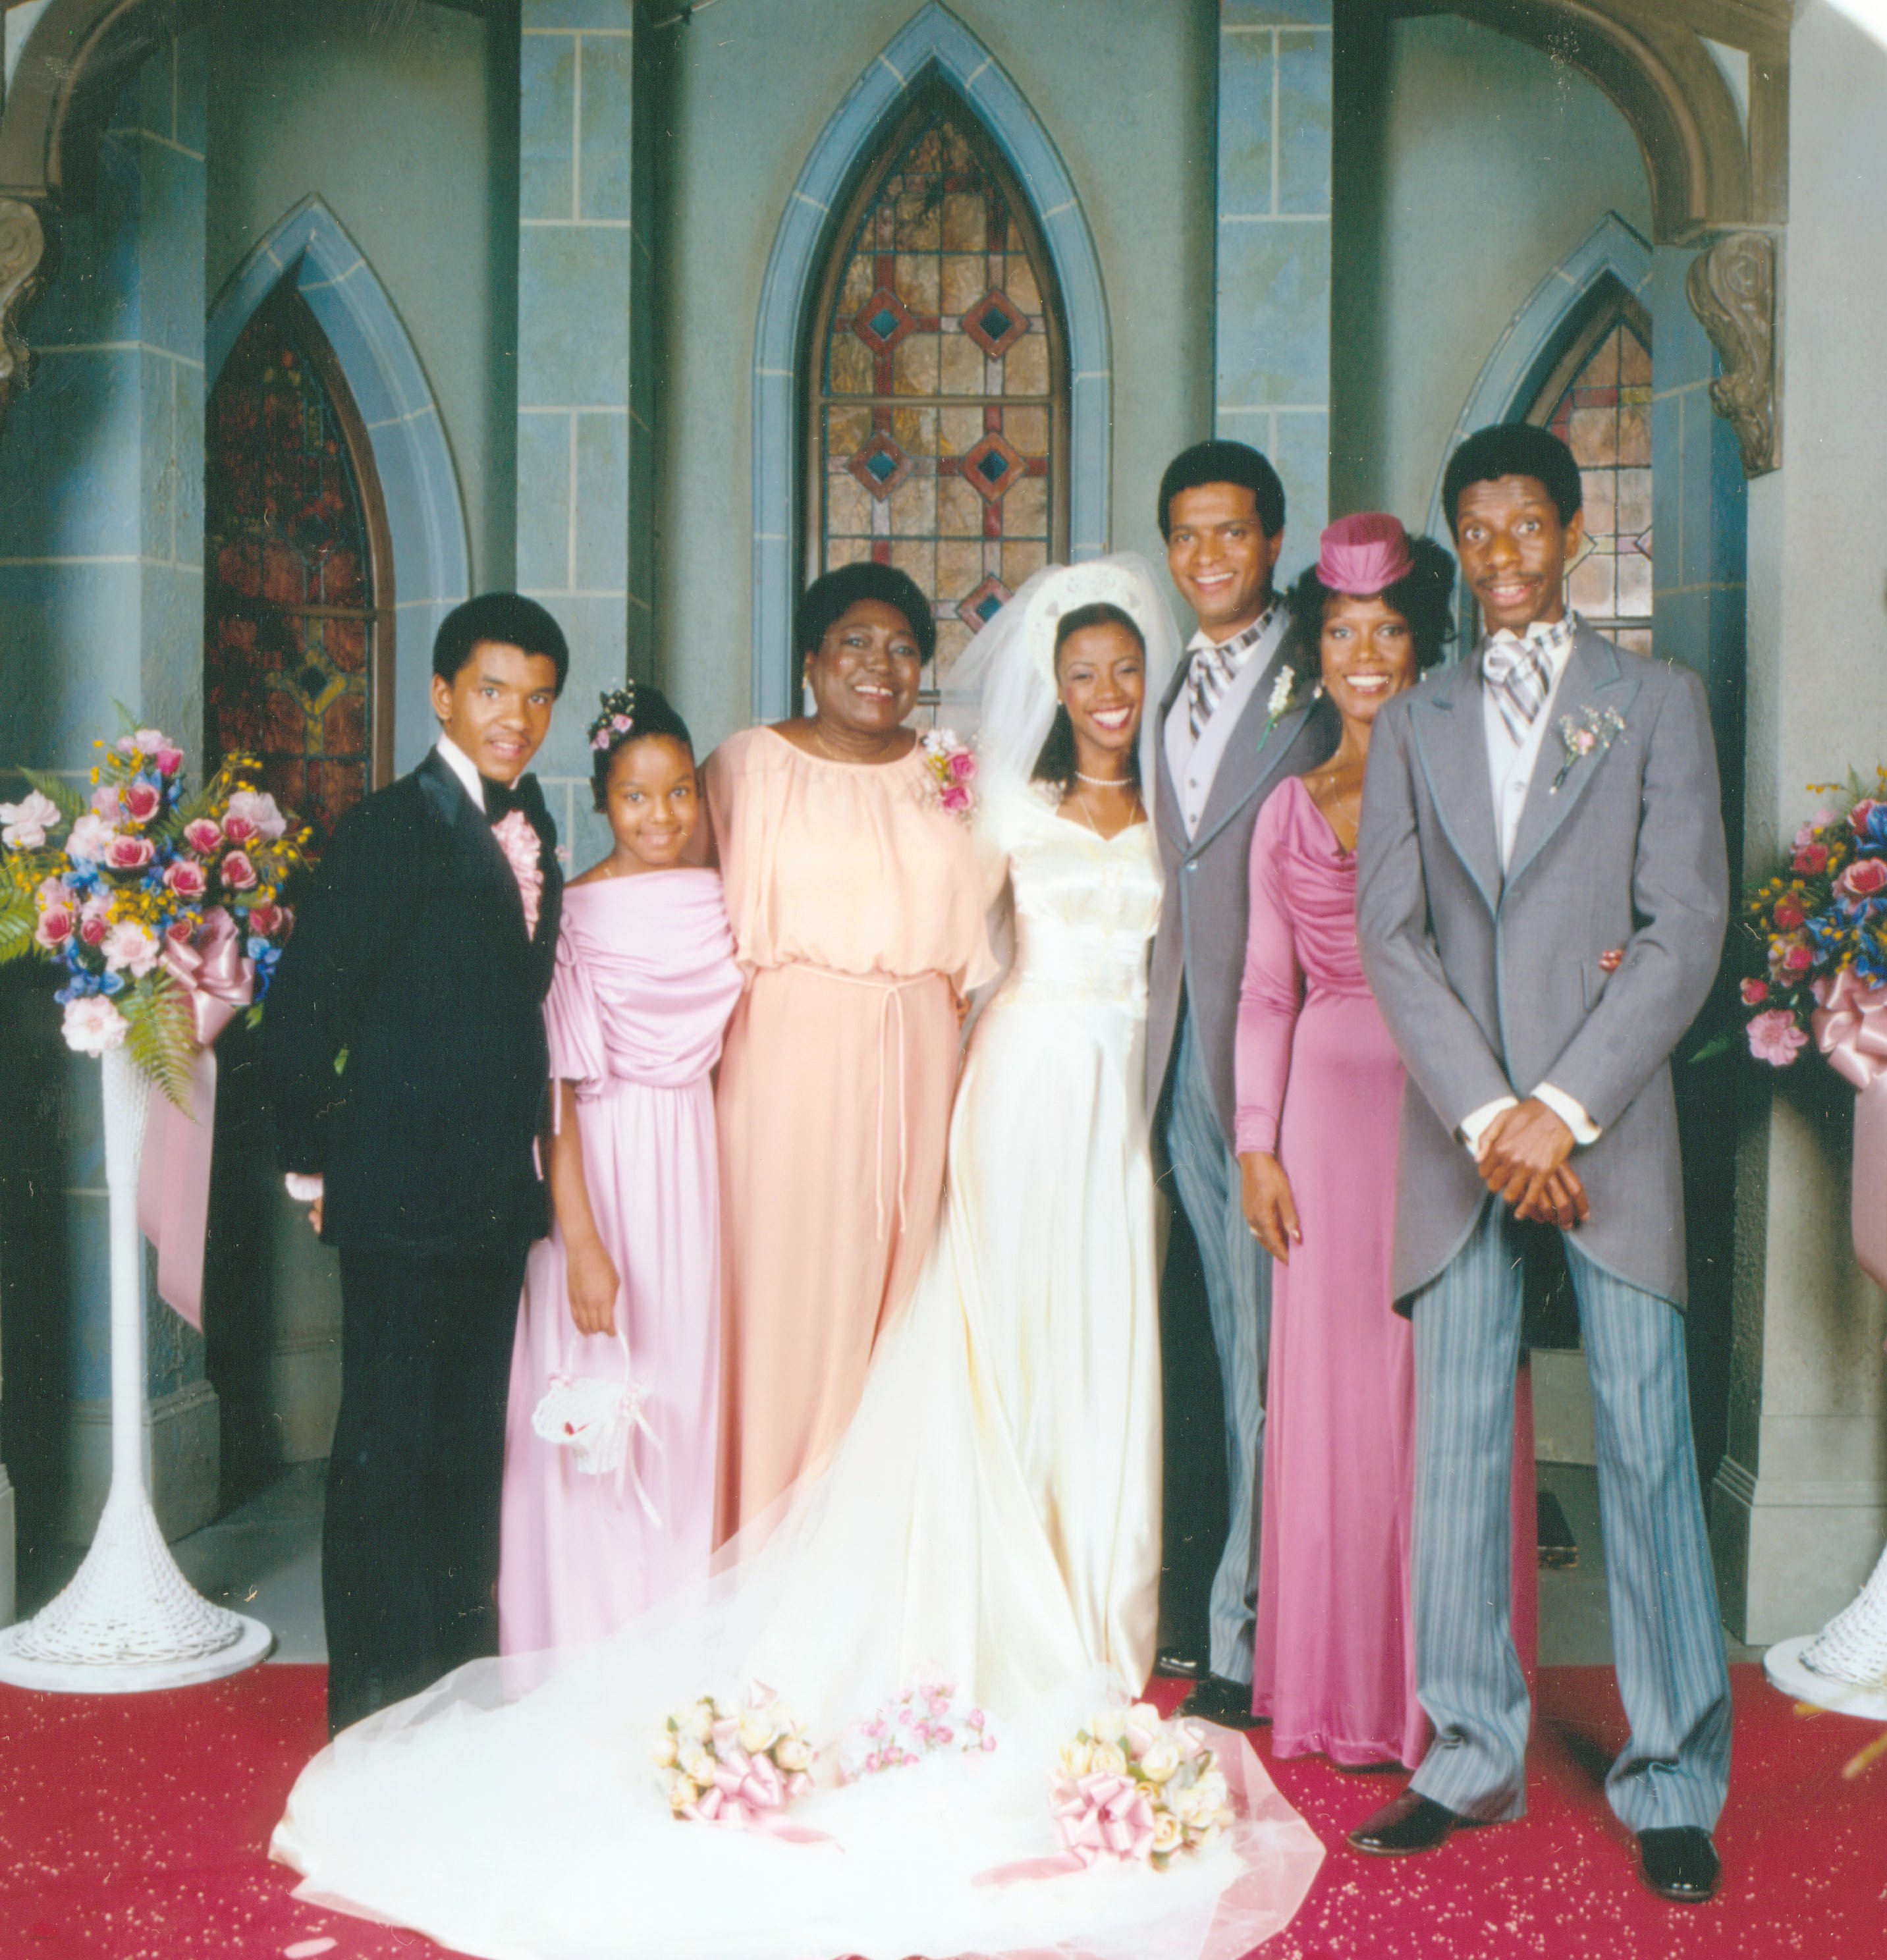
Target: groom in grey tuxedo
[[1223, 750], [1550, 799]]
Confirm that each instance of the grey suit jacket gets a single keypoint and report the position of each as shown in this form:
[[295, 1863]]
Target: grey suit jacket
[[1200, 945], [1492, 985]]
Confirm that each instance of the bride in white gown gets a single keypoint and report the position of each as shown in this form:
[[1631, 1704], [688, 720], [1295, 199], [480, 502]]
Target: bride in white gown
[[991, 1517]]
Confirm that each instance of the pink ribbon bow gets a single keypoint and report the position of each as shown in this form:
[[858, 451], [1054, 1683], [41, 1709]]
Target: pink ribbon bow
[[1100, 1815], [174, 1178], [1850, 1029], [748, 1791], [523, 850]]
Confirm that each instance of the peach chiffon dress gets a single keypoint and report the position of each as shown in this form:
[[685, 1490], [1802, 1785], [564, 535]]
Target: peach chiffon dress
[[857, 912]]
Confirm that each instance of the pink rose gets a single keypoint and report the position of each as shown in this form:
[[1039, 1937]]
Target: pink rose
[[55, 926], [169, 760], [129, 854], [93, 917], [257, 809], [202, 835], [1789, 914], [239, 830], [1775, 1038], [1864, 878], [1809, 859], [955, 798], [1857, 817], [150, 740], [266, 920], [239, 874], [141, 802], [1754, 993], [963, 766], [185, 877], [107, 803], [129, 944], [1796, 959], [180, 932]]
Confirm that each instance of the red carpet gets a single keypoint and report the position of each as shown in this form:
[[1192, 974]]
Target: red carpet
[[134, 1828]]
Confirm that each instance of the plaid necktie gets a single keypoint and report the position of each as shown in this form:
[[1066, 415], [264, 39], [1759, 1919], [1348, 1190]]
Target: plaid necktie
[[1208, 677], [1519, 674]]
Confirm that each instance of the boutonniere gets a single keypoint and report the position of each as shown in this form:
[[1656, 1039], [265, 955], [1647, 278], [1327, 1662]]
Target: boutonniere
[[1282, 689], [1592, 734], [952, 766]]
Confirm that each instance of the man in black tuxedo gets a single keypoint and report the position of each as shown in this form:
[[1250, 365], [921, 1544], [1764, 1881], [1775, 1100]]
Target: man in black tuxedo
[[404, 1054]]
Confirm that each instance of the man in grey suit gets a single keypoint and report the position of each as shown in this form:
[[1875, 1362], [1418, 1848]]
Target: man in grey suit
[[1227, 739], [1541, 805]]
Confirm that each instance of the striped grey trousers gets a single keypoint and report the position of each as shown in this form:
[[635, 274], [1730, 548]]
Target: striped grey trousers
[[1238, 1288], [1667, 1639]]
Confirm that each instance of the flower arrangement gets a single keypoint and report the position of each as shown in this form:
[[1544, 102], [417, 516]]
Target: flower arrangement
[[925, 1720], [1822, 928], [152, 900], [1593, 733], [1132, 1787], [952, 765], [724, 1764]]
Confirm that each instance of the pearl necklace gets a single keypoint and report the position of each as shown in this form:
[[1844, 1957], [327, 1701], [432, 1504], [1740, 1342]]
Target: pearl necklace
[[1104, 782]]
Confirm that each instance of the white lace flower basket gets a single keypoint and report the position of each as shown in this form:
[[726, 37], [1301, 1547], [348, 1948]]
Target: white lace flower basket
[[592, 1417]]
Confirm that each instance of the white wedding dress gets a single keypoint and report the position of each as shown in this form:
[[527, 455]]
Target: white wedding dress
[[992, 1515]]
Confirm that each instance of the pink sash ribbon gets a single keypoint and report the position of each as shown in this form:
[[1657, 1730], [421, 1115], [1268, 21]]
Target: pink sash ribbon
[[173, 1178], [1850, 1029]]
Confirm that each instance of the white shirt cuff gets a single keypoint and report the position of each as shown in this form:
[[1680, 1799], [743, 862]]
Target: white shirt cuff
[[303, 1189], [1475, 1124], [1571, 1114]]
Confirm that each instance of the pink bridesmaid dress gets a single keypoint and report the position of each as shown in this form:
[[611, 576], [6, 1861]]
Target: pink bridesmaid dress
[[1320, 1085], [644, 983]]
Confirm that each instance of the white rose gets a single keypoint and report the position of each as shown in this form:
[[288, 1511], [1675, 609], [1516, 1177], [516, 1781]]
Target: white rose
[[697, 1723], [681, 1793], [1167, 1834], [758, 1729], [1110, 1759], [93, 1024], [1108, 1726], [1212, 1794], [662, 1750], [1143, 1715], [1159, 1760], [697, 1764], [792, 1755], [1077, 1759]]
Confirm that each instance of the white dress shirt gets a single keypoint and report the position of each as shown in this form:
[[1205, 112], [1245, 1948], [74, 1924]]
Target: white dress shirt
[[1510, 767], [1195, 765], [308, 1189]]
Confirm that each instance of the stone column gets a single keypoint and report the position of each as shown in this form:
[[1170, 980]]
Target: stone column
[[1799, 1510], [1272, 387], [101, 600], [584, 313]]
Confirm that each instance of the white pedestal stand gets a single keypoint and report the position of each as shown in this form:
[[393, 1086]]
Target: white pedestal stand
[[1844, 1666], [129, 1620]]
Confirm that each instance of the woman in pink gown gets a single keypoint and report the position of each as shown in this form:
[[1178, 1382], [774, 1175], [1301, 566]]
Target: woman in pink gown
[[644, 983], [1320, 1096]]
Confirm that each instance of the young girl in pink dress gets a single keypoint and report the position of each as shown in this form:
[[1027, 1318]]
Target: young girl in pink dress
[[645, 981]]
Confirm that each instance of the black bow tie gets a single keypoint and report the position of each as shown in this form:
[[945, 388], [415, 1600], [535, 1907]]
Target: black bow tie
[[501, 798]]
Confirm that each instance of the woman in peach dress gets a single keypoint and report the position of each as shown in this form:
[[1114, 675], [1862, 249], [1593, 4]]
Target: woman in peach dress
[[857, 913]]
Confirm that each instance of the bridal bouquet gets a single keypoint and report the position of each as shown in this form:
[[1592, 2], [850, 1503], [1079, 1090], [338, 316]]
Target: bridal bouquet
[[925, 1721], [162, 909], [1820, 933], [1132, 1787], [723, 1763]]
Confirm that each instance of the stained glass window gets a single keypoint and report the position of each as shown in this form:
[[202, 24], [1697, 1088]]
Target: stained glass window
[[1604, 416], [936, 419], [290, 624]]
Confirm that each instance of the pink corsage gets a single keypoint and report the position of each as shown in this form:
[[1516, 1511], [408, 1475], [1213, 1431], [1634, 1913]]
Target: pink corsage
[[952, 766], [519, 842]]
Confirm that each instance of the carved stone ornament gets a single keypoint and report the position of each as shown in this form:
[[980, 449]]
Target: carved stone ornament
[[1732, 290], [22, 253]]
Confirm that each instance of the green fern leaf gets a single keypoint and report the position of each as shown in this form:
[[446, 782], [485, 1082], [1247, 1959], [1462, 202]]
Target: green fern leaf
[[17, 918], [72, 803], [162, 1034]]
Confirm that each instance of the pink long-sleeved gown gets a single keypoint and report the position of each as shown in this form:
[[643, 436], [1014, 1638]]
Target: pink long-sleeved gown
[[1320, 1085], [644, 983]]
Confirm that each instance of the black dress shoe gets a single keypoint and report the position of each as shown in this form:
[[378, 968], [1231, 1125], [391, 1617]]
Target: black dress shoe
[[1408, 1824], [1227, 1703], [1179, 1664], [1680, 1863]]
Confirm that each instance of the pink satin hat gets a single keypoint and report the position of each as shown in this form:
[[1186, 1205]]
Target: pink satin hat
[[1363, 555]]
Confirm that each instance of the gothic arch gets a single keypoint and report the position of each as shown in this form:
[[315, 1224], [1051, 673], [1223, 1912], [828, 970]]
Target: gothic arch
[[431, 564], [934, 46]]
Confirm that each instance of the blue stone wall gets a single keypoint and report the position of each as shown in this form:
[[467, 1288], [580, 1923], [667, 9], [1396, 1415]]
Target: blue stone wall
[[101, 601], [1272, 369], [582, 436]]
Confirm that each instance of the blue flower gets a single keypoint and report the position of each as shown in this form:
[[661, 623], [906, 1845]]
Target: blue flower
[[1874, 827], [110, 983]]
